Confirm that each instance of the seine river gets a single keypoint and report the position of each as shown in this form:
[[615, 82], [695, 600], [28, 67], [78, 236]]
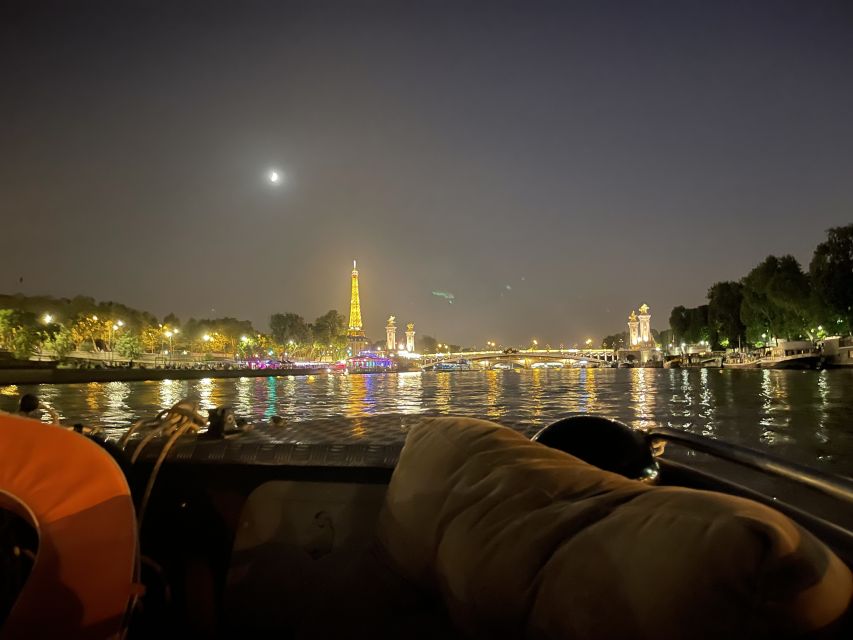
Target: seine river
[[806, 416]]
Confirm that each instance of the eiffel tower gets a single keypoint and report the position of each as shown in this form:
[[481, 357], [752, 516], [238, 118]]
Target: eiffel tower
[[356, 340]]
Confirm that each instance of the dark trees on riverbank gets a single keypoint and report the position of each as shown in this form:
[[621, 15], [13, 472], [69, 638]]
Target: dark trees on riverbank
[[777, 299], [831, 272]]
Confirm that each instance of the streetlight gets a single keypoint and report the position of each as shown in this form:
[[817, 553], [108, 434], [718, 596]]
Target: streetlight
[[115, 326], [47, 318]]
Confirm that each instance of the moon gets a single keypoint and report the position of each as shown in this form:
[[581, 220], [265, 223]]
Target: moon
[[274, 177]]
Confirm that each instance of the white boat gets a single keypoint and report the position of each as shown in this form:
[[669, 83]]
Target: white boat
[[791, 354], [837, 351], [787, 354]]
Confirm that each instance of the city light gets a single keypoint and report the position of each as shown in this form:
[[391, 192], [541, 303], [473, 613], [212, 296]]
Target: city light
[[47, 318]]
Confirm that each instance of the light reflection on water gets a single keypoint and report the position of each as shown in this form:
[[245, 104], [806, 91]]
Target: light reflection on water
[[802, 415]]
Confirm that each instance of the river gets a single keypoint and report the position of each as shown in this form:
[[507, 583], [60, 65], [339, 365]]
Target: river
[[804, 416]]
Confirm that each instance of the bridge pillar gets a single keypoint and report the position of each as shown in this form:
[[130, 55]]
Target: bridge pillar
[[391, 334], [410, 337]]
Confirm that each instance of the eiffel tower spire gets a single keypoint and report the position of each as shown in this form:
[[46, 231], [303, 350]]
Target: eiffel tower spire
[[356, 340], [355, 303]]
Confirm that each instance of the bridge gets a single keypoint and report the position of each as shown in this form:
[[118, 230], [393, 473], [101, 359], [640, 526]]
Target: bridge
[[523, 357]]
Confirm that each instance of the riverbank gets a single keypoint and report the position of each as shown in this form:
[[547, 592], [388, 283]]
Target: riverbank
[[71, 376]]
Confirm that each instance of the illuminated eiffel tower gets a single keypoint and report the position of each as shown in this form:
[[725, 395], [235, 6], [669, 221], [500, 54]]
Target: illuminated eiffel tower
[[356, 339]]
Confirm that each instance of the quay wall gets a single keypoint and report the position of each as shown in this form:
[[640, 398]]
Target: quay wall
[[67, 376]]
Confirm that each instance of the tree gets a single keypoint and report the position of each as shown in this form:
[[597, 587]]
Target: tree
[[724, 304], [428, 344], [19, 332], [91, 329], [172, 320], [777, 300], [831, 272], [328, 327], [615, 341], [679, 322], [8, 324], [698, 329], [128, 346], [690, 325], [24, 342], [61, 343], [289, 326], [151, 339]]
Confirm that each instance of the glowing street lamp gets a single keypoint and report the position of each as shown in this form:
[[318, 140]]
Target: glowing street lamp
[[115, 326], [47, 318]]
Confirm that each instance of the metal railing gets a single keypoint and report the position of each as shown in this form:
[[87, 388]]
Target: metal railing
[[832, 485]]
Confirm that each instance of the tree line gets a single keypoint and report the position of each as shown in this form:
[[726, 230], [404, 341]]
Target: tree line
[[43, 324], [777, 299]]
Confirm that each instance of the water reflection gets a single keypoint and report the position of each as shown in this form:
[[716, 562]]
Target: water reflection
[[536, 393], [205, 394], [493, 382], [116, 396], [356, 395], [774, 402], [802, 415], [589, 396], [442, 391], [408, 396], [642, 397], [171, 392], [821, 431]]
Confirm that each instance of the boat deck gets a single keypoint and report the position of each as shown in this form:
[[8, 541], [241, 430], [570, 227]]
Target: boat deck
[[373, 441]]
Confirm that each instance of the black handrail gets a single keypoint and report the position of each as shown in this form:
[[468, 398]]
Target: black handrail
[[836, 536], [832, 485]]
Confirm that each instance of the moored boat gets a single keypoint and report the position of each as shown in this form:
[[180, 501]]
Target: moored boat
[[837, 351], [791, 354], [797, 354], [369, 363]]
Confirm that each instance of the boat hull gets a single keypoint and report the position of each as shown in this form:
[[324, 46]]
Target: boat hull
[[792, 362]]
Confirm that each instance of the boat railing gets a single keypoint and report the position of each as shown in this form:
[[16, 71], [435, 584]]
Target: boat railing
[[838, 488], [835, 486]]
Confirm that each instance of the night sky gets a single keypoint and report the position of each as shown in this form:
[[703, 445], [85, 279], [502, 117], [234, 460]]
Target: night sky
[[553, 165]]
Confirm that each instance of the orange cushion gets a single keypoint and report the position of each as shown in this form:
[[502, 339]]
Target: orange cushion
[[78, 499]]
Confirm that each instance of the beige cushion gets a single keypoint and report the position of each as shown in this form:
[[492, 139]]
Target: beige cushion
[[520, 540]]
